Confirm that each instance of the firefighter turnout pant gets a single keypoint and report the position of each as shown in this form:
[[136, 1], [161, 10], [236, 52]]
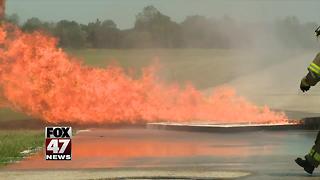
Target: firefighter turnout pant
[[314, 155]]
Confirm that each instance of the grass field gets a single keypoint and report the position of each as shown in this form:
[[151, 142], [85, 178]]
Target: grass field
[[8, 114], [13, 142], [203, 67]]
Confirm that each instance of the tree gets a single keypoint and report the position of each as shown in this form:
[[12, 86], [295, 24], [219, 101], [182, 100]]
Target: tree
[[32, 24], [294, 34], [13, 18], [195, 30], [70, 34], [152, 29], [136, 39], [103, 34], [35, 24], [164, 32]]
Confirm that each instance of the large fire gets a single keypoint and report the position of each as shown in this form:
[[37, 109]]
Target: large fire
[[43, 81]]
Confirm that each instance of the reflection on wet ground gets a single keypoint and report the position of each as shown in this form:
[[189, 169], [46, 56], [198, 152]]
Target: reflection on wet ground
[[109, 148]]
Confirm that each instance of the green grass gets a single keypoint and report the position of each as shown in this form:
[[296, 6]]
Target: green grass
[[8, 114], [12, 142], [203, 67]]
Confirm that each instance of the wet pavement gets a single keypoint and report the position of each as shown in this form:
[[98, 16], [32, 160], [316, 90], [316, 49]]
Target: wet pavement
[[260, 154]]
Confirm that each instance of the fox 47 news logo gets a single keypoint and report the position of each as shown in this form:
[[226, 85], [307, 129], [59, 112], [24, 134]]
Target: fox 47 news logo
[[58, 143]]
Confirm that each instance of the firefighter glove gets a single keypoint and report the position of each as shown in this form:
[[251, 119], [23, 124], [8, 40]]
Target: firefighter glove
[[304, 86]]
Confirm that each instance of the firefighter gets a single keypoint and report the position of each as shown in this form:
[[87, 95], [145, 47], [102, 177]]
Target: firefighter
[[312, 159]]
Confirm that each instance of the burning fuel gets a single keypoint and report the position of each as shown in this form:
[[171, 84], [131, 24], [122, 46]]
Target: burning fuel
[[43, 81]]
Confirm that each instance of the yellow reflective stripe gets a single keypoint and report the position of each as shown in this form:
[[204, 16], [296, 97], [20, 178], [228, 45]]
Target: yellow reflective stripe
[[314, 70], [315, 155], [311, 152], [315, 66]]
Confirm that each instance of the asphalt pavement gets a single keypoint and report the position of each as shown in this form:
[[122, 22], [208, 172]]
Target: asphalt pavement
[[148, 154]]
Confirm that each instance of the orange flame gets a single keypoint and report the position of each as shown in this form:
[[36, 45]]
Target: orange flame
[[41, 80]]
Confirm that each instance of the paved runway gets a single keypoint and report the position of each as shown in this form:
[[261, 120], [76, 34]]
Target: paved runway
[[259, 154]]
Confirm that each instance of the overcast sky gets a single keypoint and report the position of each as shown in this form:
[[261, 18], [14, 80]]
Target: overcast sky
[[123, 11]]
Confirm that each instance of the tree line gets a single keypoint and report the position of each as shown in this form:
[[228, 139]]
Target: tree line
[[152, 29]]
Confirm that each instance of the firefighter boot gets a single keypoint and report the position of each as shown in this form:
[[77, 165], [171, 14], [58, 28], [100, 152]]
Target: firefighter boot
[[308, 167]]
